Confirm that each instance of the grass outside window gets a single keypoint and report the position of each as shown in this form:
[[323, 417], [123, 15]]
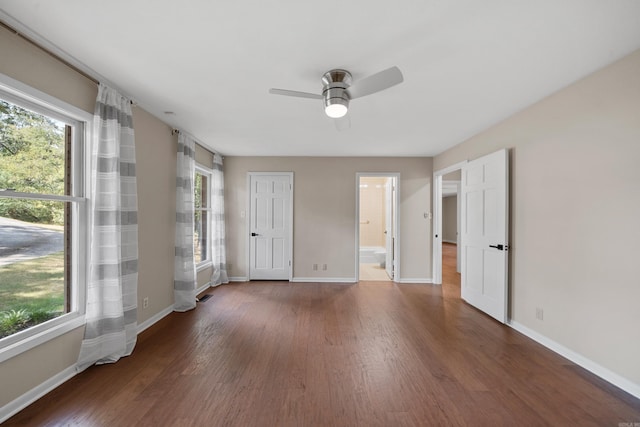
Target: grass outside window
[[31, 292]]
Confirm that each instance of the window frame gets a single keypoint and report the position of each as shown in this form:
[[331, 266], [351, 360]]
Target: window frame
[[35, 100], [204, 171]]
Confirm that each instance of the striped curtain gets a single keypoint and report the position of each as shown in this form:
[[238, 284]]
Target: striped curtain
[[112, 292], [184, 282], [217, 227]]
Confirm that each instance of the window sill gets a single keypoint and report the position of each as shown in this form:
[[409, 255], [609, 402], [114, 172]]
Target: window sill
[[203, 266], [35, 338]]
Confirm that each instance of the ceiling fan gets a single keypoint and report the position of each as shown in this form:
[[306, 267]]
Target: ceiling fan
[[338, 90]]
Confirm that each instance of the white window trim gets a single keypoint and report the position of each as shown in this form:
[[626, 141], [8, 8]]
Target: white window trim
[[17, 92], [203, 265], [202, 170]]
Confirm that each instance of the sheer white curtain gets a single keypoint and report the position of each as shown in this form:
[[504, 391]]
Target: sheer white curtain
[[217, 223], [112, 292], [184, 282]]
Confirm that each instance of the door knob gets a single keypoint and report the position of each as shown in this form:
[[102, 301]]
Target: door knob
[[498, 247], [254, 234]]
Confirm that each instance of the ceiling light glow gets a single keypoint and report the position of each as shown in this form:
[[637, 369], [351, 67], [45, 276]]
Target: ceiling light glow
[[335, 111]]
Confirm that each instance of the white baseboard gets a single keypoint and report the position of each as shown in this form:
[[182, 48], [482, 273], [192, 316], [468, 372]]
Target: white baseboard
[[203, 288], [348, 280], [449, 241], [591, 366], [219, 284], [154, 319], [305, 279], [58, 379], [417, 281], [18, 404], [353, 280]]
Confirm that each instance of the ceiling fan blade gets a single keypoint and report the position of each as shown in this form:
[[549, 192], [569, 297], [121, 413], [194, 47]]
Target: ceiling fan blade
[[375, 83], [343, 123], [294, 93]]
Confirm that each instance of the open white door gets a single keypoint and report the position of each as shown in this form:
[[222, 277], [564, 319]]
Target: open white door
[[485, 233], [389, 231], [458, 222], [270, 226]]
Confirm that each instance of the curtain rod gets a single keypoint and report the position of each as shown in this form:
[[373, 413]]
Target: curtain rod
[[54, 56], [48, 52], [175, 131]]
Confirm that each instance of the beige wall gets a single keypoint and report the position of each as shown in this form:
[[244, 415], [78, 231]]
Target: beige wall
[[156, 168], [575, 204], [30, 65], [204, 157], [453, 176], [324, 211], [372, 211], [450, 219], [156, 160], [29, 369]]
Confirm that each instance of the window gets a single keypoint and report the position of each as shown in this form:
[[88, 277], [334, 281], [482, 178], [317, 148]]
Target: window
[[43, 214], [202, 213]]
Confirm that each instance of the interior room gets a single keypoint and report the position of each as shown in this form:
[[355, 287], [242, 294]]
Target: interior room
[[187, 237], [375, 224]]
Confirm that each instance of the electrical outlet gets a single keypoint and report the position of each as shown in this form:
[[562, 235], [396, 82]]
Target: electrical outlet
[[539, 313], [145, 302], [324, 267], [315, 267]]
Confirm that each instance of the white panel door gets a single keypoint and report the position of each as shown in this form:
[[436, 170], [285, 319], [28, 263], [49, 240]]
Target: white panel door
[[484, 232], [270, 221]]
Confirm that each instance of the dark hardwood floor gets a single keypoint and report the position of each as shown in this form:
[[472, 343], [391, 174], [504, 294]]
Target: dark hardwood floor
[[317, 354]]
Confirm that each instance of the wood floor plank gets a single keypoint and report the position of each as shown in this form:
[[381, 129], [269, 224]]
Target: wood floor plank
[[318, 354]]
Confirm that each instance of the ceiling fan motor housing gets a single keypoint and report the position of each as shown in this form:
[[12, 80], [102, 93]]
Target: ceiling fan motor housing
[[336, 82]]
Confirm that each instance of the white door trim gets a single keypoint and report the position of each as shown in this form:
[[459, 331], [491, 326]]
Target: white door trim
[[396, 201], [437, 219], [248, 220], [458, 228], [390, 232]]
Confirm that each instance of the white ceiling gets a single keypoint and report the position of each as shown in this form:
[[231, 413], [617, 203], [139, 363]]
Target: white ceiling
[[467, 64]]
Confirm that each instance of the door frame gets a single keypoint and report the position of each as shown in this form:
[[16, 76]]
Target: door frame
[[396, 222], [437, 220], [248, 221]]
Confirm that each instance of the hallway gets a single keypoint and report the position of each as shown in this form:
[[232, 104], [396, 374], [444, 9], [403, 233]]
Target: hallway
[[450, 278]]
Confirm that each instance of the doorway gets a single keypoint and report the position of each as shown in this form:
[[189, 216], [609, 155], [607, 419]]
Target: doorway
[[451, 212], [451, 278], [446, 184], [377, 252], [484, 218]]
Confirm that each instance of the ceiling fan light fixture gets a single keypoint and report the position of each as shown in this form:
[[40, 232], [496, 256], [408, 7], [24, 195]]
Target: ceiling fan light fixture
[[337, 89], [337, 109], [336, 97], [336, 102]]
